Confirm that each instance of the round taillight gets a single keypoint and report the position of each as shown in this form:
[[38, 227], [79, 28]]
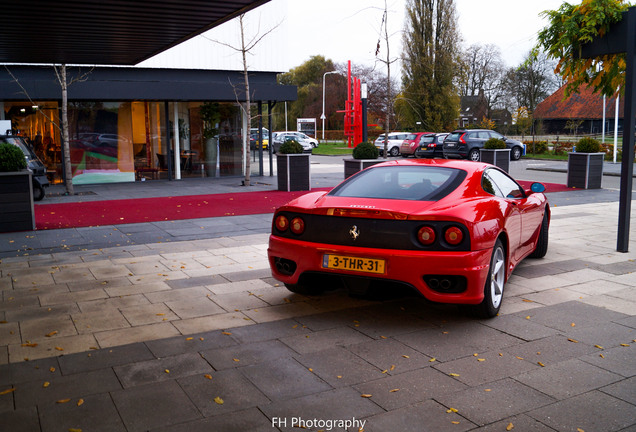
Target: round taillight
[[453, 236], [426, 235], [297, 225], [282, 223]]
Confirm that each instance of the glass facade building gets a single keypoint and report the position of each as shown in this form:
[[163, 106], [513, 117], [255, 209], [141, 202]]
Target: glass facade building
[[131, 124]]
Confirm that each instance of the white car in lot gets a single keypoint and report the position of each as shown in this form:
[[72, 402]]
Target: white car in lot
[[301, 135], [394, 142], [281, 137]]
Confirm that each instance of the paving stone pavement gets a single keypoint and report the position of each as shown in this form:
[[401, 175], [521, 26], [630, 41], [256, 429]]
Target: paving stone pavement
[[195, 335]]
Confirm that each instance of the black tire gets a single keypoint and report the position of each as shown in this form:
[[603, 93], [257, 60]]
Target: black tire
[[494, 287], [515, 153], [38, 192], [304, 289], [473, 155], [394, 151], [542, 242]]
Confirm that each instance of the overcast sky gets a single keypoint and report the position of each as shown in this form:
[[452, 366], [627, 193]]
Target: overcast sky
[[344, 30]]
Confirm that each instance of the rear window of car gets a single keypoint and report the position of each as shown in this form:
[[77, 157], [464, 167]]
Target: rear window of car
[[454, 136], [403, 183], [411, 137], [427, 139]]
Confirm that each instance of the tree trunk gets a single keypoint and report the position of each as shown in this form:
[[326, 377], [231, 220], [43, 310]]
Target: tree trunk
[[389, 104], [68, 173], [246, 142]]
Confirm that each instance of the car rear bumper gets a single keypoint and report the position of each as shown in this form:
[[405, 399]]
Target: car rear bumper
[[455, 153], [411, 267], [426, 153]]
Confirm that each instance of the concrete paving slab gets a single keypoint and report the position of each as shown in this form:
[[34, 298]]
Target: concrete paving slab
[[624, 390], [236, 392], [287, 379], [390, 356], [495, 401], [590, 411], [161, 369], [94, 412], [340, 404], [154, 405], [412, 418], [567, 379], [404, 389], [246, 354]]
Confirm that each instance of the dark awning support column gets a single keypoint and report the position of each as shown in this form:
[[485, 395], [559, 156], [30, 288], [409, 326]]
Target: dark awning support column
[[270, 106], [627, 164], [260, 138], [622, 38], [168, 145]]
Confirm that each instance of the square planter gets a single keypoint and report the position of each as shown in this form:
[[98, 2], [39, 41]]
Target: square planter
[[352, 166], [585, 170], [498, 157], [293, 172], [16, 201]]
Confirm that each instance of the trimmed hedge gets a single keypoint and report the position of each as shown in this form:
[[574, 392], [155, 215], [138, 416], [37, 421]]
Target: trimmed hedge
[[365, 150], [11, 158], [588, 145], [494, 144], [290, 146]]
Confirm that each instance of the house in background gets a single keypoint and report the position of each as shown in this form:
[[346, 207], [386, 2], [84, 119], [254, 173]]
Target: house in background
[[581, 112], [473, 109], [502, 118]]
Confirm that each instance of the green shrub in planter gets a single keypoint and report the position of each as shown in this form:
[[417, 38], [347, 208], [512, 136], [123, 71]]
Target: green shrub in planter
[[11, 158], [365, 150], [588, 145], [290, 147], [537, 147], [494, 144]]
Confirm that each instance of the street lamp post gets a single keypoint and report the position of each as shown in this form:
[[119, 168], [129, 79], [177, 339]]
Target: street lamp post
[[322, 117]]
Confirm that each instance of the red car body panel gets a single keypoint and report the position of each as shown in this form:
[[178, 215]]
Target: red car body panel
[[486, 217]]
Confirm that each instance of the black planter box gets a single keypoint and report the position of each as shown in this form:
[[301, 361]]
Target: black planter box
[[293, 172], [352, 166], [498, 157], [585, 170], [16, 201]]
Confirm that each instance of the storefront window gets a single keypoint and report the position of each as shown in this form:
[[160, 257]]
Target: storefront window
[[100, 139], [38, 124], [128, 141]]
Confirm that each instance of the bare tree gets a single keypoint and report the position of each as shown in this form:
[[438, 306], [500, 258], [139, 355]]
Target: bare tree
[[245, 48], [482, 68], [387, 61]]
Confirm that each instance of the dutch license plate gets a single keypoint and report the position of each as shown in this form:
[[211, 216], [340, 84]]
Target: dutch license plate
[[363, 265]]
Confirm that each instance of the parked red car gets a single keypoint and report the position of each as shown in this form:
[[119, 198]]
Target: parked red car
[[410, 144], [453, 230]]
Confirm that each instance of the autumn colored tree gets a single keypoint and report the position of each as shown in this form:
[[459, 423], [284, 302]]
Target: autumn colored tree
[[570, 27]]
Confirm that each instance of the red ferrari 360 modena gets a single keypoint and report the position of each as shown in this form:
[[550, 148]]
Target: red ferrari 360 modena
[[453, 230]]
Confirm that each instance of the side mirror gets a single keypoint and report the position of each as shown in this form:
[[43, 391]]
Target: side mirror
[[537, 187]]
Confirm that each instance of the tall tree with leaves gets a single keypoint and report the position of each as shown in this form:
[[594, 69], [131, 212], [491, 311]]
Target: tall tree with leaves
[[429, 63], [574, 25]]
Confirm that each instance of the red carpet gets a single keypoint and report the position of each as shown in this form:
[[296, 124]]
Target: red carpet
[[114, 212]]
